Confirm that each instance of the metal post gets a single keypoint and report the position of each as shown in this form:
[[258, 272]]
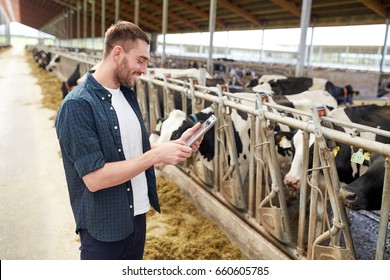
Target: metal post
[[136, 12], [384, 214], [78, 23], [117, 3], [93, 23], [103, 23], [310, 55], [384, 49], [212, 20], [85, 23], [305, 19], [303, 195], [262, 45], [164, 29], [66, 29], [70, 27], [8, 33]]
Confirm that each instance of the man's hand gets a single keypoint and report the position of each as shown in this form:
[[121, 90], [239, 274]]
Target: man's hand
[[187, 134], [173, 152]]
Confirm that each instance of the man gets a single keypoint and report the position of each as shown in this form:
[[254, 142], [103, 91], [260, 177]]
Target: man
[[106, 153]]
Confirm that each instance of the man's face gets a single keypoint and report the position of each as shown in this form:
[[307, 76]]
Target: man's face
[[133, 64]]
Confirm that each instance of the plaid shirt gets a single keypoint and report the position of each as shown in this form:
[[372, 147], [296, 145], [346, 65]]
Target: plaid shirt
[[89, 136]]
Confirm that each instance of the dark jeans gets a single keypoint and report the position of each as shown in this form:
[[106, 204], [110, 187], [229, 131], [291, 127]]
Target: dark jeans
[[130, 248]]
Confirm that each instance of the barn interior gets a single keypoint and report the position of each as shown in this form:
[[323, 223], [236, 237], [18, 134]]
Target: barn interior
[[80, 19], [76, 19]]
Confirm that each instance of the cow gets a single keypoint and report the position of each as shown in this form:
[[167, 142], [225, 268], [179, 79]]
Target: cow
[[193, 73], [62, 67], [41, 57], [44, 60], [278, 85], [177, 122], [52, 65], [92, 70], [358, 189], [365, 193], [178, 73], [71, 82]]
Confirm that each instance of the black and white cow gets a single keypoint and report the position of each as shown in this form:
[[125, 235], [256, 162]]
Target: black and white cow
[[84, 76], [365, 193], [280, 85], [359, 190], [71, 82], [178, 122], [41, 57], [53, 63]]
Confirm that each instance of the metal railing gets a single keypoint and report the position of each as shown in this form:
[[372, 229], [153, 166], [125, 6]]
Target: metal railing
[[261, 200]]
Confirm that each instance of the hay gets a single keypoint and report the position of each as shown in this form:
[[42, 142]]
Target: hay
[[50, 84], [182, 233]]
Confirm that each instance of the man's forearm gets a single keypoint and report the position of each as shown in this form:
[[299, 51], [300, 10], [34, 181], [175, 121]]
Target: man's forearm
[[115, 173]]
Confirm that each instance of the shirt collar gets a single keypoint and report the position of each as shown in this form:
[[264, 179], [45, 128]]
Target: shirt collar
[[99, 90]]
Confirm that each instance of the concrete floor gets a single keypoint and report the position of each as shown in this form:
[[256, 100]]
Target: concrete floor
[[36, 221]]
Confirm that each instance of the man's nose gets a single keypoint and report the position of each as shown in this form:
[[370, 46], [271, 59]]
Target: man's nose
[[144, 68]]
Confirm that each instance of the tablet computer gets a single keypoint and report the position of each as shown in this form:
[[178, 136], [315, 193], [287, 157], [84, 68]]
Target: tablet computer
[[209, 123]]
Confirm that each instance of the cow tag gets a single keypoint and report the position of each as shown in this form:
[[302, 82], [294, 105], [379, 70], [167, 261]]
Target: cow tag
[[158, 126], [336, 151], [358, 157], [367, 156], [285, 143]]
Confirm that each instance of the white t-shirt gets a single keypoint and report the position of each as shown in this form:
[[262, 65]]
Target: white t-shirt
[[131, 137]]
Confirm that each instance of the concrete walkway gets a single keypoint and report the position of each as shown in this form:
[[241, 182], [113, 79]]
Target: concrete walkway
[[36, 221]]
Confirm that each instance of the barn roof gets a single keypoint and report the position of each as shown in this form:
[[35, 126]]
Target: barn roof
[[193, 15]]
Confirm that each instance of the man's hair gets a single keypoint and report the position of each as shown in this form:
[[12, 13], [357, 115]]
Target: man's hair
[[124, 34]]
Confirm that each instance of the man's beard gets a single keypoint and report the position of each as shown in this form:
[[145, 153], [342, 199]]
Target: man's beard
[[124, 76]]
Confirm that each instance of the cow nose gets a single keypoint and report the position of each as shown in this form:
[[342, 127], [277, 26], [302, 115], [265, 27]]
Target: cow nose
[[350, 199], [347, 197], [292, 183]]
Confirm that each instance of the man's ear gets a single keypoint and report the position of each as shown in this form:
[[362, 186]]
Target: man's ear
[[116, 53]]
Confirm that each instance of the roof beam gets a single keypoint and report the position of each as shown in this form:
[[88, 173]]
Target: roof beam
[[376, 6], [170, 15], [288, 6], [239, 11], [150, 25], [196, 11], [65, 4]]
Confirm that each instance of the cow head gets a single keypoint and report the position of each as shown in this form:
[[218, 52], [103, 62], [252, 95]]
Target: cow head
[[177, 122], [67, 86], [84, 77], [52, 66], [341, 152], [365, 193]]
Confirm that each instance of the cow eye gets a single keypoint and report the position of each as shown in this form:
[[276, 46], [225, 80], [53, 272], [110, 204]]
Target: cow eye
[[175, 135]]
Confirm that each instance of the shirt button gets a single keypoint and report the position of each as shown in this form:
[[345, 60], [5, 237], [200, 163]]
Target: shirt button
[[102, 98], [112, 108], [115, 127], [131, 206], [109, 95], [119, 150], [128, 189]]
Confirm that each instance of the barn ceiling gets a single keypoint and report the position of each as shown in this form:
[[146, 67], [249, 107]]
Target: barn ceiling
[[193, 15]]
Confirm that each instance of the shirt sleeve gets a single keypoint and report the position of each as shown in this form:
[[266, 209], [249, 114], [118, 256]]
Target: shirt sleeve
[[79, 141]]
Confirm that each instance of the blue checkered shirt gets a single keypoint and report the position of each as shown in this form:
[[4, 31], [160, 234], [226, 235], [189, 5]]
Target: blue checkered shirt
[[88, 131]]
